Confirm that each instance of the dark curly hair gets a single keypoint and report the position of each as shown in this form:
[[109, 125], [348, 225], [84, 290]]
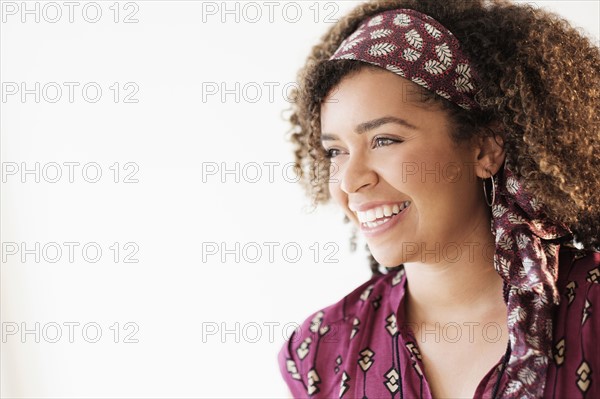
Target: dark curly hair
[[540, 83]]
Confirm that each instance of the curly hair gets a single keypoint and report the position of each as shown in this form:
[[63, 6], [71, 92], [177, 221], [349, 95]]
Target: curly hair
[[539, 82]]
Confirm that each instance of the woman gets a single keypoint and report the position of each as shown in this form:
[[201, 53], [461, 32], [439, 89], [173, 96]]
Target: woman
[[460, 137]]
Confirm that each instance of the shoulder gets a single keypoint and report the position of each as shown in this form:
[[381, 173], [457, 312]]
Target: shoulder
[[578, 268], [313, 353], [578, 282], [576, 324]]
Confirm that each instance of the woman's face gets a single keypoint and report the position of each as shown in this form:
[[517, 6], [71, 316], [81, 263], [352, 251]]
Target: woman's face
[[387, 149]]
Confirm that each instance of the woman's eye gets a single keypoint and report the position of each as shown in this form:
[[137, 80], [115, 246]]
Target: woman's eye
[[384, 141], [379, 142], [331, 153]]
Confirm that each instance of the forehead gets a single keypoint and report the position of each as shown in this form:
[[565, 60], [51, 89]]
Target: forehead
[[373, 93]]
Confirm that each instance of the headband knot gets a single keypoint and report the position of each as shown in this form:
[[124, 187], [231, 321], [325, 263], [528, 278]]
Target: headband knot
[[527, 258]]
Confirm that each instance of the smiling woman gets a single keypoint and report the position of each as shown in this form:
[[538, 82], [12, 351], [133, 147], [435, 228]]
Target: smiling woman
[[466, 160]]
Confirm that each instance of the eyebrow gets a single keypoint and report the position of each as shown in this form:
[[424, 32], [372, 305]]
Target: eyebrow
[[370, 125]]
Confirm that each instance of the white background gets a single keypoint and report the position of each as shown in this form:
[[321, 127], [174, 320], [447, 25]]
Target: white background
[[176, 290]]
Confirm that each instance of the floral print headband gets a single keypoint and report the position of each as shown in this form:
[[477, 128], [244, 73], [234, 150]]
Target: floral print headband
[[417, 47]]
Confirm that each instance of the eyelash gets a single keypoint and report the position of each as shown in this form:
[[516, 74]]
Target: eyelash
[[329, 155]]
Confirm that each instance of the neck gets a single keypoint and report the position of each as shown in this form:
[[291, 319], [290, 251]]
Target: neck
[[463, 288]]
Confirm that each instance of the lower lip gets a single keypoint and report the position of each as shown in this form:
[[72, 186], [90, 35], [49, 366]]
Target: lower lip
[[374, 231]]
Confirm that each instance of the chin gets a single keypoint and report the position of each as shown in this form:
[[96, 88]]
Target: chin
[[386, 258]]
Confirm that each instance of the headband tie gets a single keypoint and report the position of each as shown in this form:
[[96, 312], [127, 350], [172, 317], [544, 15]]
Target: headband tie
[[526, 257], [418, 48]]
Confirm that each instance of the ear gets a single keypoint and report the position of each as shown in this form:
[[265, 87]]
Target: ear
[[489, 151]]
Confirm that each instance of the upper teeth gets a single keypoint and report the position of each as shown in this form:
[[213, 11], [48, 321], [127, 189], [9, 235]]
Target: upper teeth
[[381, 211]]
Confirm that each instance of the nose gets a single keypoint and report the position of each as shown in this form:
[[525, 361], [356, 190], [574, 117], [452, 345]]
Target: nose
[[356, 173]]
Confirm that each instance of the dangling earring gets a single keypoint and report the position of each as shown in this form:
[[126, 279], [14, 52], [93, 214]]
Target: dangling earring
[[493, 190]]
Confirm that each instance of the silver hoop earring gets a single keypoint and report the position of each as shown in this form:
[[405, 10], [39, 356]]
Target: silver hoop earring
[[493, 191]]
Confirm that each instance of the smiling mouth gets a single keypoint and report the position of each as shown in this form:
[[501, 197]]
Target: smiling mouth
[[380, 215]]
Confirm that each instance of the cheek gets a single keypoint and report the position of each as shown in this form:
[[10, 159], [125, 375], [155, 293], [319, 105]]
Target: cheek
[[426, 178], [405, 172], [422, 169]]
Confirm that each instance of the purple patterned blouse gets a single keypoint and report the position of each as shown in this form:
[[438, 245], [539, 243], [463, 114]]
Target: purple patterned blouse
[[355, 348]]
